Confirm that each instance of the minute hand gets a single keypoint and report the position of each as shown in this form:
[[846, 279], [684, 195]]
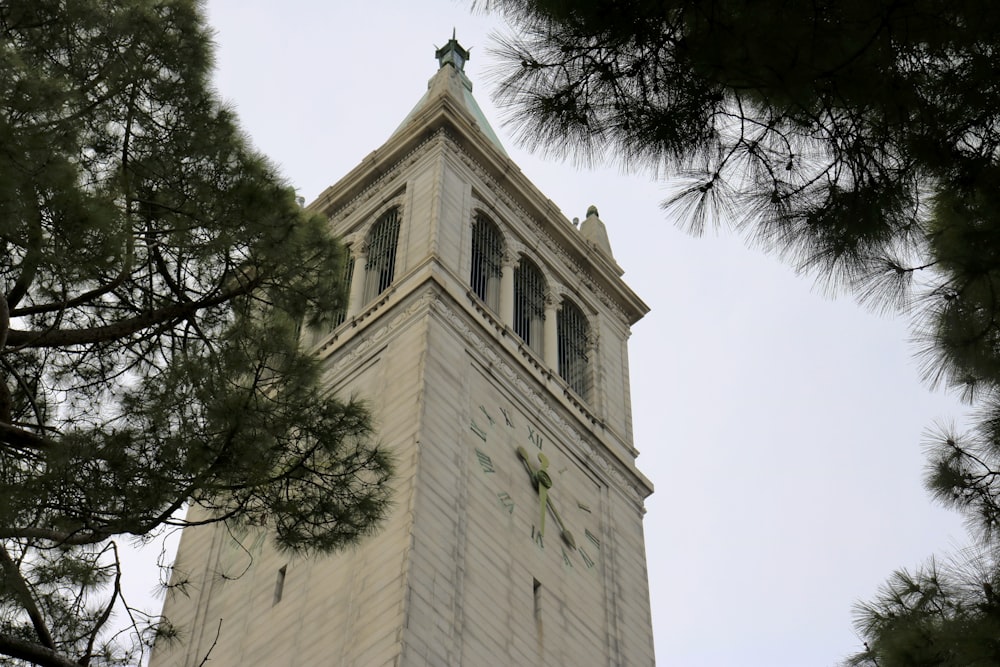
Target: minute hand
[[563, 531], [543, 482]]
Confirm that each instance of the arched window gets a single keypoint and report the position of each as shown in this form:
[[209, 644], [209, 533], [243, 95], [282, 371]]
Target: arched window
[[573, 362], [529, 304], [381, 264], [341, 314], [487, 250]]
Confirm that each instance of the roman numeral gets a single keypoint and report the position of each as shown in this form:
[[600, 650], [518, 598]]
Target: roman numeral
[[536, 535], [588, 561], [535, 437], [477, 429], [506, 416], [593, 540], [485, 461], [489, 417], [585, 507], [566, 561], [506, 501]]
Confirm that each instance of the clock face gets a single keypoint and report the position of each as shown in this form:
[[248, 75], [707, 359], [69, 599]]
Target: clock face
[[536, 485]]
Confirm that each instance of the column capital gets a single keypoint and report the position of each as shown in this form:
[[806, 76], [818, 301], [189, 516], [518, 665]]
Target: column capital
[[508, 258], [553, 297], [511, 253], [357, 245]]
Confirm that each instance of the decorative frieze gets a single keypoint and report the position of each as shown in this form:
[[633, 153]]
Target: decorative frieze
[[381, 184]]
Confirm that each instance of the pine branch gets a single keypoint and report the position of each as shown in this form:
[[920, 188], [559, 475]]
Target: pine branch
[[20, 439], [106, 614], [123, 328], [89, 295], [29, 264], [19, 586], [20, 649]]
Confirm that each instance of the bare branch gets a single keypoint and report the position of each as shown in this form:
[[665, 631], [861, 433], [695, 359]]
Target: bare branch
[[218, 633]]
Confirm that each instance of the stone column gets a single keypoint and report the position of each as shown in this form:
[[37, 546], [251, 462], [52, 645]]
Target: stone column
[[354, 305], [593, 375], [508, 261], [550, 339]]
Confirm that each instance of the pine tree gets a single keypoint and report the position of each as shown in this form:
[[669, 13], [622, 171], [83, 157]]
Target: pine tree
[[154, 273], [858, 139], [941, 615]]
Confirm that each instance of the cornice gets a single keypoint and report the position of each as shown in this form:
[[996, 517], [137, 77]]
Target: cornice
[[336, 208], [352, 352]]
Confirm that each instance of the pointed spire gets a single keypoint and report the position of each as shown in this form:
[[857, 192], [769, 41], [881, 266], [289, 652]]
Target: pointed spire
[[452, 82], [452, 53]]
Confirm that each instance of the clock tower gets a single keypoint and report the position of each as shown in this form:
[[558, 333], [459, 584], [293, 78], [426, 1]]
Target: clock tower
[[488, 334]]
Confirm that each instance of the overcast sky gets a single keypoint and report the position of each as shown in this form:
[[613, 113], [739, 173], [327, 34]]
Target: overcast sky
[[782, 429]]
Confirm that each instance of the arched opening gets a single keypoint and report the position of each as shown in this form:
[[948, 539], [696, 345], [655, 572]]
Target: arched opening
[[380, 267], [487, 253], [529, 304]]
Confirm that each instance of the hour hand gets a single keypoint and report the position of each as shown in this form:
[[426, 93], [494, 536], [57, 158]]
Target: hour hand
[[543, 482], [540, 477], [522, 454]]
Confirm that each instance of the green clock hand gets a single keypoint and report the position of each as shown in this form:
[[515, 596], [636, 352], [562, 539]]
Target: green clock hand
[[544, 484], [563, 531]]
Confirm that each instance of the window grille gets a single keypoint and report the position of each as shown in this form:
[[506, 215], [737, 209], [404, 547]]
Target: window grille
[[573, 331], [380, 267], [487, 251], [529, 304], [341, 314]]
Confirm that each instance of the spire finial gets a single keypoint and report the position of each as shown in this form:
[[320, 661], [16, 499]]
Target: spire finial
[[452, 53], [595, 232]]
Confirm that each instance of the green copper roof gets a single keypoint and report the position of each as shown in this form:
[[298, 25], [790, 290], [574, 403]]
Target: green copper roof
[[453, 55], [484, 124]]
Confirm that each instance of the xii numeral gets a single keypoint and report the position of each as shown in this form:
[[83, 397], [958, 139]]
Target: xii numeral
[[535, 437]]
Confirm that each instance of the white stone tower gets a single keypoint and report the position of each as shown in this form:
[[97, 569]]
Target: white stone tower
[[489, 335]]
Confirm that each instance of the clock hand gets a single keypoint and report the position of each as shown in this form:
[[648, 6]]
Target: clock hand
[[523, 455], [540, 479], [543, 482], [563, 531]]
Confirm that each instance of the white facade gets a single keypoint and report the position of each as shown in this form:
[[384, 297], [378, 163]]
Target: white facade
[[471, 568]]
